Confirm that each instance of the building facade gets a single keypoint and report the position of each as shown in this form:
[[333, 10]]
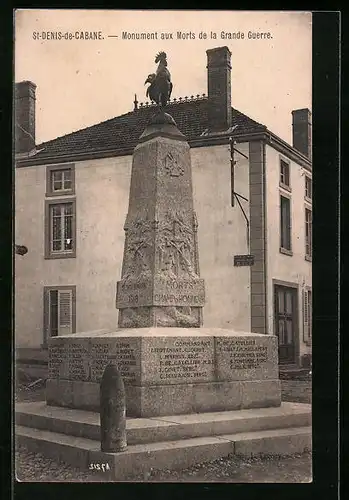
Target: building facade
[[71, 199]]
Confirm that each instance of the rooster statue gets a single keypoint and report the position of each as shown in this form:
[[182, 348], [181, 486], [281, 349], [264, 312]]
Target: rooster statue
[[160, 88]]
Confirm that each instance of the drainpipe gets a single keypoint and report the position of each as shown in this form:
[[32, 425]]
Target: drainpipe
[[265, 230]]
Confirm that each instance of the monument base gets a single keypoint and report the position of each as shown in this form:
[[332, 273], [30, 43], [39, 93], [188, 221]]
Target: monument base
[[162, 400], [167, 371]]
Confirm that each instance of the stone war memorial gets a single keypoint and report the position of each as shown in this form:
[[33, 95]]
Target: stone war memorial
[[219, 389]]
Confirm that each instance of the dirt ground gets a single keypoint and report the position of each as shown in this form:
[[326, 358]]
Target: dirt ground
[[295, 469]]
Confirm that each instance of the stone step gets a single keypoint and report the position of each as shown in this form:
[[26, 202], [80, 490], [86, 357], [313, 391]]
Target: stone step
[[85, 424], [272, 442], [81, 452], [294, 373]]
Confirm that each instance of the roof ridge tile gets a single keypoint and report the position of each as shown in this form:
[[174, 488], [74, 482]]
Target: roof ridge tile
[[123, 131]]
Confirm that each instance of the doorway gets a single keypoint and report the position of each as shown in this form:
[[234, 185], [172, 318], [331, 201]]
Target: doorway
[[286, 322]]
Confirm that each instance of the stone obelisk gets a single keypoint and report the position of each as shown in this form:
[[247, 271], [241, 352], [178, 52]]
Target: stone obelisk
[[170, 364], [160, 283]]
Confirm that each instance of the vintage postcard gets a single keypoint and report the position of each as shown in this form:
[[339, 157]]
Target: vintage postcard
[[163, 246]]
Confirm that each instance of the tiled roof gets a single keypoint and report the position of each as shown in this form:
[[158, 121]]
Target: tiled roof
[[123, 132]]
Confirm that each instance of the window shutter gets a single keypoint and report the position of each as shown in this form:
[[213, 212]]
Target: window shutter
[[46, 317], [305, 316], [65, 320], [310, 314], [288, 223]]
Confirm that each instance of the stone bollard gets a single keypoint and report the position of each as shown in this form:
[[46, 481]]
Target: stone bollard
[[112, 411]]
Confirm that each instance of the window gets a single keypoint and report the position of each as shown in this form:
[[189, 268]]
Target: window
[[61, 227], [307, 315], [308, 188], [285, 223], [308, 233], [60, 238], [60, 179], [284, 173], [59, 311]]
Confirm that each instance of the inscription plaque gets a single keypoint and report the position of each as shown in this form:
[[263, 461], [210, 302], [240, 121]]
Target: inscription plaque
[[78, 361], [245, 358], [166, 292], [133, 294], [179, 292], [244, 354], [68, 359], [174, 361], [243, 260], [122, 353], [55, 360]]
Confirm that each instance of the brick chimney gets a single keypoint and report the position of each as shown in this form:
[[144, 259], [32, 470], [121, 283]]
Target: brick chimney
[[301, 131], [219, 89], [25, 117]]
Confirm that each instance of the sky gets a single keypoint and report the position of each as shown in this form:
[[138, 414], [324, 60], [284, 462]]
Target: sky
[[82, 82]]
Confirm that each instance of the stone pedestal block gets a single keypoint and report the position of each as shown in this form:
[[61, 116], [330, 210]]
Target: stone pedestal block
[[167, 371]]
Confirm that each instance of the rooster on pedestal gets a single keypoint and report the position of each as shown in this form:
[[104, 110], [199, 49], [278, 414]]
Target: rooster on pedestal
[[160, 88]]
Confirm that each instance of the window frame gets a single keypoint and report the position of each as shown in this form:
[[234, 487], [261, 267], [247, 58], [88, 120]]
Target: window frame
[[46, 310], [307, 308], [283, 185], [308, 178], [63, 254], [285, 250], [308, 256], [61, 192]]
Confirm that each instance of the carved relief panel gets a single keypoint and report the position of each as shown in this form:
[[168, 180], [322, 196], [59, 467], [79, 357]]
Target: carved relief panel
[[175, 247], [172, 165], [138, 249]]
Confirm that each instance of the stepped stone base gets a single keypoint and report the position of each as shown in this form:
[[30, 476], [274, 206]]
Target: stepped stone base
[[171, 441], [86, 424], [167, 371]]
